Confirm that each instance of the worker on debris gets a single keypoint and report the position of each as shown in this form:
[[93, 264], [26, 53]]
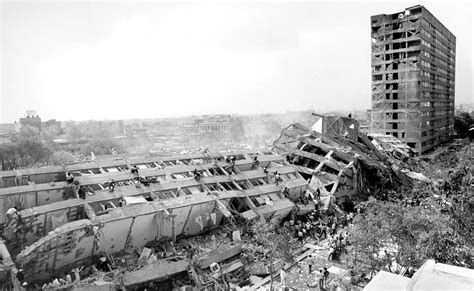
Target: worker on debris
[[321, 279], [144, 181], [324, 230], [331, 253], [310, 263], [197, 175], [12, 214], [333, 228], [103, 264], [325, 276], [277, 177], [134, 170], [81, 193], [68, 279], [300, 235], [112, 185], [256, 162], [77, 274], [56, 283], [69, 178]]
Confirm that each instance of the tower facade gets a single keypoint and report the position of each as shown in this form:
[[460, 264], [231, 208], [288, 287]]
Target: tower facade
[[413, 73]]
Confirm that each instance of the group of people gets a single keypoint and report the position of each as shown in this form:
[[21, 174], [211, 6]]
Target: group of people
[[58, 282], [139, 180], [230, 159], [314, 225], [337, 245]]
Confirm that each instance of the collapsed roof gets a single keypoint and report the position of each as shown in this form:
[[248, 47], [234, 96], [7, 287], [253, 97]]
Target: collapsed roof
[[338, 159]]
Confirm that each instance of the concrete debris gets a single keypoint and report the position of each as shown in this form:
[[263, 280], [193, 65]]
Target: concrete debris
[[346, 167]]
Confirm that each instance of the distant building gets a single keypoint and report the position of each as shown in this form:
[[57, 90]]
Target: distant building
[[33, 119], [213, 123], [413, 74]]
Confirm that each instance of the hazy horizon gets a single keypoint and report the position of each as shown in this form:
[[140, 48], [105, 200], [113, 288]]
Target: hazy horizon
[[127, 60]]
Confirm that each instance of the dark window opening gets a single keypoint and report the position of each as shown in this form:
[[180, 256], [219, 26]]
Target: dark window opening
[[377, 78], [413, 54], [413, 43]]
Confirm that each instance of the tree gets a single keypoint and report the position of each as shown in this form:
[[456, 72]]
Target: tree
[[417, 233], [462, 123], [48, 134], [74, 134], [25, 150], [61, 158]]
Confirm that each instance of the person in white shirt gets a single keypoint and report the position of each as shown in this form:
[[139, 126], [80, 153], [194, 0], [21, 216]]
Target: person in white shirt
[[12, 214]]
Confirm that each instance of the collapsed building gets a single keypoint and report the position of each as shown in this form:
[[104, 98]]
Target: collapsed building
[[340, 162], [183, 196], [152, 220]]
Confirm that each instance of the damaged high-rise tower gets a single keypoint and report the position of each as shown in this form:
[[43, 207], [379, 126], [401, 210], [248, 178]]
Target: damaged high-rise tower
[[413, 73]]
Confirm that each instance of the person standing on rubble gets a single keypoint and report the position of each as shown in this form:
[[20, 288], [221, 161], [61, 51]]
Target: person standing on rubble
[[277, 177], [112, 185], [69, 178], [331, 253], [197, 175], [103, 264], [310, 263], [256, 162], [12, 214], [134, 171], [324, 230], [81, 193], [333, 228], [325, 276]]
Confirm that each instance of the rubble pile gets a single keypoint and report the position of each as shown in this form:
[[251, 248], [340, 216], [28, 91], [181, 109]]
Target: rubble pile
[[348, 166]]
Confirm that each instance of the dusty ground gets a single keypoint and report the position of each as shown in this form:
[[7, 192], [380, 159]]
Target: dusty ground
[[298, 276]]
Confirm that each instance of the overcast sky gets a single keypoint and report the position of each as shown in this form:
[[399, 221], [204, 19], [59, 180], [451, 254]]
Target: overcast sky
[[116, 60]]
